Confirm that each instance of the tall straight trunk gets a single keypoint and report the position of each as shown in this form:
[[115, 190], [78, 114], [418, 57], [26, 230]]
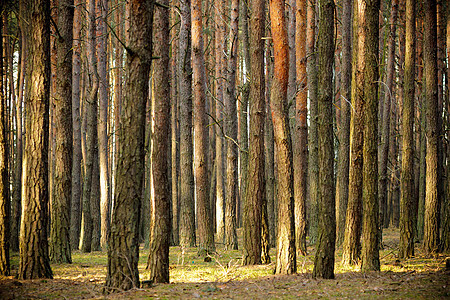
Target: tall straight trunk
[[313, 138], [286, 253], [175, 131], [95, 196], [370, 246], [352, 243], [158, 259], [231, 129], [324, 259], [301, 130], [431, 231], [187, 206], [123, 244], [34, 260], [60, 250], [219, 73], [389, 96], [243, 120], [291, 13], [205, 232], [102, 124], [406, 247], [75, 210], [91, 128], [5, 267], [255, 181], [344, 129]]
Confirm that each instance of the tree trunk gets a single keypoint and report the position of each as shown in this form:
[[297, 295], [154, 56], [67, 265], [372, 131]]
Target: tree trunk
[[34, 259], [123, 245], [205, 233], [313, 138], [286, 253], [255, 181], [158, 259], [60, 250], [95, 196], [75, 211], [431, 230], [301, 130], [406, 247], [370, 245], [102, 124], [187, 206], [344, 130], [324, 259], [5, 268], [231, 129]]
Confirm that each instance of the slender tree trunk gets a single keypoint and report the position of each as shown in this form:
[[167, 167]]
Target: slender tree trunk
[[95, 196], [34, 259], [102, 124], [158, 259], [231, 126], [255, 181], [60, 250], [342, 181], [75, 211], [187, 208], [5, 268], [431, 231], [301, 130], [352, 244], [313, 138], [286, 253], [406, 247], [205, 233], [324, 259], [123, 244]]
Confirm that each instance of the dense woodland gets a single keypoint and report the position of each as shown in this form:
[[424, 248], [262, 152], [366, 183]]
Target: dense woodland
[[174, 123]]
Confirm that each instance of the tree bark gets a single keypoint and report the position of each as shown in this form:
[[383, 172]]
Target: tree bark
[[158, 259], [406, 247], [205, 232], [255, 181], [431, 230], [34, 259], [286, 253], [123, 245], [231, 241], [60, 250], [301, 130], [324, 259]]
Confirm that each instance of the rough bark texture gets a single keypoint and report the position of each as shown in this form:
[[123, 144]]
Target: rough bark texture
[[352, 244], [286, 253], [324, 259], [102, 124], [158, 259], [431, 230], [187, 208], [370, 246], [123, 245], [313, 139], [34, 258], [406, 247], [389, 96], [255, 183], [60, 250], [4, 201], [95, 196], [301, 130], [75, 210], [205, 230], [231, 241], [344, 129]]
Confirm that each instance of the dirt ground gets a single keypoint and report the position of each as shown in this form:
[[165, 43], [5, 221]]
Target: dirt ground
[[225, 278]]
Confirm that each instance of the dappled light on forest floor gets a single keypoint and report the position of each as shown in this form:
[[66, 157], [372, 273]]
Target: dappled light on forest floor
[[224, 277]]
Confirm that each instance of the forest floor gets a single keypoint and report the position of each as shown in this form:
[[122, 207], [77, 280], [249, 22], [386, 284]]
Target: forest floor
[[225, 278]]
